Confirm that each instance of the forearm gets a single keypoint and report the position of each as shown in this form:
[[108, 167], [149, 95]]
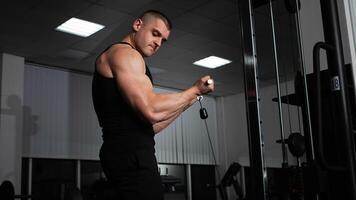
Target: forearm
[[158, 127], [166, 107]]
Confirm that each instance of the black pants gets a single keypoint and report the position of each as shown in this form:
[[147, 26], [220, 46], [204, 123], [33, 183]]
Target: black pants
[[133, 174]]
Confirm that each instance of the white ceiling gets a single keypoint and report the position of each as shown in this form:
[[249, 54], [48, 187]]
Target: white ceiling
[[200, 28]]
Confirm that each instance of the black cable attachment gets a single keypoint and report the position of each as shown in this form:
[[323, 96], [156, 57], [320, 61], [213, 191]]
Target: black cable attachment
[[203, 112]]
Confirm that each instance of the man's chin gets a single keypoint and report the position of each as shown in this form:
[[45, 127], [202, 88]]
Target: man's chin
[[148, 54]]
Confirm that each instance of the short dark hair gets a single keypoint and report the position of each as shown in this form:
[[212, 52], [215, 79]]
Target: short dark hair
[[158, 14]]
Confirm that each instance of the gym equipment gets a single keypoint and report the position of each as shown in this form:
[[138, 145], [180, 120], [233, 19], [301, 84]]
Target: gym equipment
[[7, 192]]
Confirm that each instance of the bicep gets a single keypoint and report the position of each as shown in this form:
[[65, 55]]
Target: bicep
[[132, 82], [135, 87]]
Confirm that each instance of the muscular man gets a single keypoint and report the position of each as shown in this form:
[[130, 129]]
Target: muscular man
[[131, 113]]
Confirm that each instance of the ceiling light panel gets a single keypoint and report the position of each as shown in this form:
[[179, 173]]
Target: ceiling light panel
[[212, 62], [79, 27]]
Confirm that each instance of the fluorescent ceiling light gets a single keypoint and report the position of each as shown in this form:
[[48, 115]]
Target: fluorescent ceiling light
[[79, 27], [212, 62]]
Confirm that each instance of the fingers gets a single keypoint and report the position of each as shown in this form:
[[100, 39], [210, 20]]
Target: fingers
[[205, 85], [209, 83], [205, 78]]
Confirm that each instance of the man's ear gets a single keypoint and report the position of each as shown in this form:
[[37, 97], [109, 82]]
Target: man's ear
[[137, 24]]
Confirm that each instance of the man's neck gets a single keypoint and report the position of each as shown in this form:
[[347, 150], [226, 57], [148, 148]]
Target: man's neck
[[130, 39]]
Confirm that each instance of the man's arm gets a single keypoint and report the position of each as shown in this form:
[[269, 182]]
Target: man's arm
[[128, 68]]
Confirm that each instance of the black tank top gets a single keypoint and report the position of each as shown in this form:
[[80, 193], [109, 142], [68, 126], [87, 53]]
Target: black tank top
[[119, 122]]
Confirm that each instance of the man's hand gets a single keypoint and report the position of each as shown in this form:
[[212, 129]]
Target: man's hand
[[205, 85]]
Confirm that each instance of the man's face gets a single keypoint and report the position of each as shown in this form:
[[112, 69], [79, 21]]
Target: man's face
[[150, 35]]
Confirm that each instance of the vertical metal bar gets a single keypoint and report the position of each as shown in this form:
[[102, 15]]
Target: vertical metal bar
[[336, 68], [305, 108], [189, 182], [29, 176], [256, 145], [284, 148], [350, 16], [243, 181], [78, 171]]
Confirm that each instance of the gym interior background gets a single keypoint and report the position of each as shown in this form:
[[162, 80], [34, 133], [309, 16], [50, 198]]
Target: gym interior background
[[264, 137]]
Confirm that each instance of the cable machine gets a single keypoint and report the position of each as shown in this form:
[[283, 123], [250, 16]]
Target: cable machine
[[326, 112]]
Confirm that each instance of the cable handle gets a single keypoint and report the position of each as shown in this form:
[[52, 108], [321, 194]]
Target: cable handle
[[208, 82]]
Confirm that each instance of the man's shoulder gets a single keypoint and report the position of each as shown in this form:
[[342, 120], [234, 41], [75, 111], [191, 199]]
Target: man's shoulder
[[121, 48], [124, 51], [123, 56]]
